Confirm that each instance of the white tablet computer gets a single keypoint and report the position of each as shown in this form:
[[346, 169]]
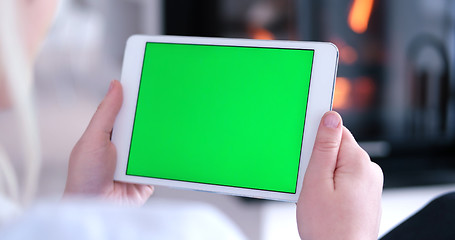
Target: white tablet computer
[[232, 116]]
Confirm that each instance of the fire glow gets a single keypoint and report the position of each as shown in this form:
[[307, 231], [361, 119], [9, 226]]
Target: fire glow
[[359, 15]]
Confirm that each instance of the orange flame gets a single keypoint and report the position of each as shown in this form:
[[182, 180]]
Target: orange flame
[[261, 33], [359, 15], [342, 93]]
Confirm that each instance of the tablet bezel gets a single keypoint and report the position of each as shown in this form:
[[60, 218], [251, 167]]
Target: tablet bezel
[[320, 97]]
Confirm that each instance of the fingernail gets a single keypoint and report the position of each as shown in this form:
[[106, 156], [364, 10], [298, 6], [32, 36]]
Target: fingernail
[[111, 86], [332, 120]]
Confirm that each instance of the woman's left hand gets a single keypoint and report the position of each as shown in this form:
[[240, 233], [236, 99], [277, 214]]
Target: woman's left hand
[[93, 159]]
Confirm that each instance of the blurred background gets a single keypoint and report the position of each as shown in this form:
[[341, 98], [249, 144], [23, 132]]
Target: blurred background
[[395, 87]]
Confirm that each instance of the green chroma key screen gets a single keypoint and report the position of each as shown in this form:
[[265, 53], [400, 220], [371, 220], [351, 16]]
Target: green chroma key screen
[[222, 115]]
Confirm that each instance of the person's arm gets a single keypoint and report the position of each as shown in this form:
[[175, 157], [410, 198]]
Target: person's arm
[[93, 159], [341, 193]]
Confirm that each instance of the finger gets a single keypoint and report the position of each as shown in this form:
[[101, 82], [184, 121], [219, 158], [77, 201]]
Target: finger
[[145, 190], [104, 117], [351, 154], [325, 151]]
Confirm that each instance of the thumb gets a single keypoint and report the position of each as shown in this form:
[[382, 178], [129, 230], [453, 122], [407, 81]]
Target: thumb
[[103, 120], [323, 160]]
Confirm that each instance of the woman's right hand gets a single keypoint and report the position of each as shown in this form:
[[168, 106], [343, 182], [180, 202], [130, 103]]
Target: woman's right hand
[[341, 193]]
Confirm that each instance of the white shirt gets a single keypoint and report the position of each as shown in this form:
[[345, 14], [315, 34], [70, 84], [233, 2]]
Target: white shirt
[[98, 221]]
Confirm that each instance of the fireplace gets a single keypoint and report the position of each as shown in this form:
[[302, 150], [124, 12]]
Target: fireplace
[[396, 78]]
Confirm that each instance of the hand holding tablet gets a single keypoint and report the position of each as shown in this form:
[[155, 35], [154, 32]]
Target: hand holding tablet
[[224, 115]]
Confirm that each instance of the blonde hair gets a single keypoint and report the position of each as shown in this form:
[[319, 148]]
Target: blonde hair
[[18, 73]]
